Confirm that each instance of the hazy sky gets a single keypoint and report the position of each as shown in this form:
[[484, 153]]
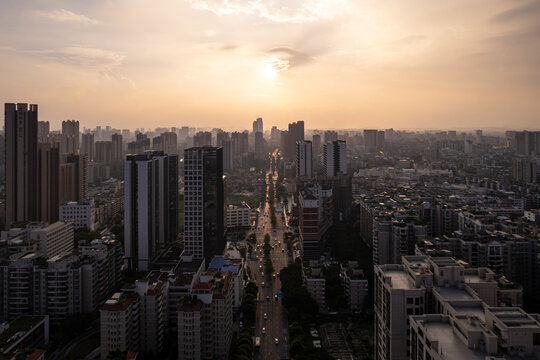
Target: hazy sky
[[222, 63]]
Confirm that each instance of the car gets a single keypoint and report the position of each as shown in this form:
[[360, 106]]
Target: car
[[260, 267], [274, 275], [276, 341], [267, 298], [275, 297], [241, 324], [265, 317], [263, 331], [282, 250]]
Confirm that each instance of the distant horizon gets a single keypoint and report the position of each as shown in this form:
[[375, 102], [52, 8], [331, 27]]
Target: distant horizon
[[214, 63]]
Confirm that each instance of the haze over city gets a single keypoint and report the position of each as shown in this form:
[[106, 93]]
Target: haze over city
[[339, 64]]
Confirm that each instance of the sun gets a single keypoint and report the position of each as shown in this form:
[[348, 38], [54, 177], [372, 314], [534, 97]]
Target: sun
[[269, 71]]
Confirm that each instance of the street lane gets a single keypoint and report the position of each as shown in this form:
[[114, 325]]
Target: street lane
[[276, 323]]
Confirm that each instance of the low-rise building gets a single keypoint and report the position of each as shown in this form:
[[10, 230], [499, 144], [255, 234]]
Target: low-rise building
[[82, 214], [54, 239], [238, 216]]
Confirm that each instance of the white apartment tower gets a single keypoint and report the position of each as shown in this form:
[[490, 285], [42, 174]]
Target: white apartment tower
[[335, 158], [304, 159]]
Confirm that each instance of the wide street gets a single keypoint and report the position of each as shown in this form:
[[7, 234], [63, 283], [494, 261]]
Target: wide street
[[276, 323]]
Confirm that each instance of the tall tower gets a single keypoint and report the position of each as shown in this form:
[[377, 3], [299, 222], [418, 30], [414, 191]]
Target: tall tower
[[70, 137], [335, 158], [21, 126], [258, 126], [48, 186], [204, 202], [117, 148], [88, 146], [304, 159], [151, 206]]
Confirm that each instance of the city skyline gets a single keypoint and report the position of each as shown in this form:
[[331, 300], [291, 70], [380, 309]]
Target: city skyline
[[363, 65]]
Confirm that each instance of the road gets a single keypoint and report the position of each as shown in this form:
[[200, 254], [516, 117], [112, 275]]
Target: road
[[276, 323]]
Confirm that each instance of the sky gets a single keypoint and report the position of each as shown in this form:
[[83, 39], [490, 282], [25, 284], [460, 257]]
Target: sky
[[222, 63]]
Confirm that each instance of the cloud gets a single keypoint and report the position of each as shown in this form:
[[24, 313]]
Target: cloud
[[82, 56], [228, 48], [280, 11], [529, 11], [63, 15], [288, 56]]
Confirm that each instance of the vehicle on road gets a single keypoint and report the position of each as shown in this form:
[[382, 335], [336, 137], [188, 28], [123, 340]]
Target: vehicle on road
[[267, 298], [275, 297], [257, 343], [265, 317], [263, 330], [276, 341]]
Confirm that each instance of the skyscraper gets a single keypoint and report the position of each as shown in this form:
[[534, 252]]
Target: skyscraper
[[258, 126], [259, 146], [103, 152], [330, 135], [296, 133], [117, 148], [335, 158], [151, 206], [227, 154], [43, 131], [373, 140], [79, 176], [70, 137], [316, 144], [88, 146], [48, 186], [166, 142], [304, 159], [204, 202], [21, 162]]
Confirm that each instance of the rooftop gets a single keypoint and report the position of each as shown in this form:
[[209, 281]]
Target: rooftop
[[450, 346], [399, 279], [18, 328], [454, 293]]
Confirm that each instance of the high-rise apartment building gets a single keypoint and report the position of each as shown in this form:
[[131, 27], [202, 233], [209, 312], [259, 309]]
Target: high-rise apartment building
[[117, 148], [103, 152], [296, 133], [166, 142], [43, 131], [88, 146], [202, 138], [204, 202], [140, 145], [205, 318], [79, 177], [335, 158], [259, 146], [49, 182], [315, 216], [21, 162], [330, 136], [228, 158], [150, 206], [70, 137], [258, 126], [304, 159], [316, 144]]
